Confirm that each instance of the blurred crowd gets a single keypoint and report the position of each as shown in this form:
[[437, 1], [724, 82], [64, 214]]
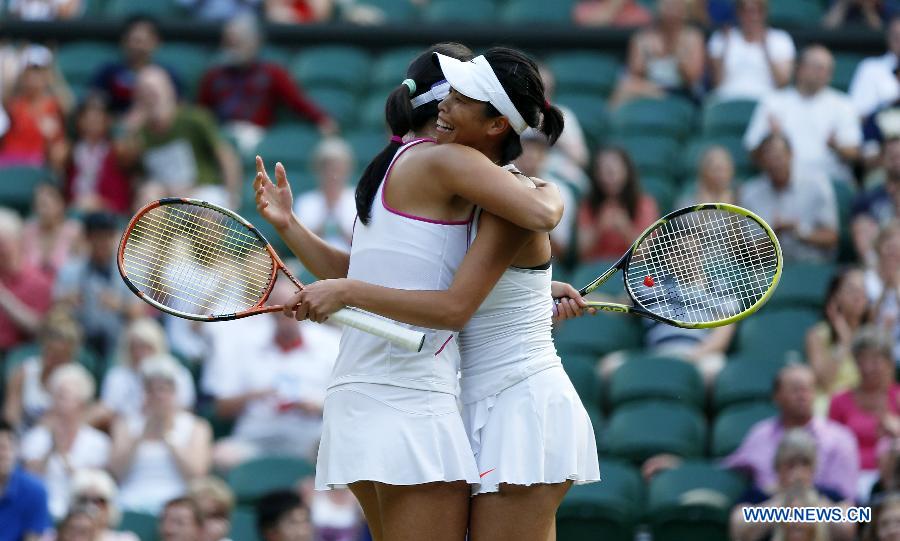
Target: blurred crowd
[[110, 407]]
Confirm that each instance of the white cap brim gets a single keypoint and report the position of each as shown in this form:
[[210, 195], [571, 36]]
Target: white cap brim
[[476, 80]]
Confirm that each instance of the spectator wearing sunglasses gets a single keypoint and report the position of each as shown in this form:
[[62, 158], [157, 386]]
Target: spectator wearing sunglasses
[[97, 489]]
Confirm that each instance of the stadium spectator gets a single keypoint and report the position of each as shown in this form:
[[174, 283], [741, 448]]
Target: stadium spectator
[[837, 467], [877, 207], [883, 283], [92, 288], [570, 155], [715, 182], [156, 454], [63, 442], [819, 121], [299, 11], [25, 291], [36, 134], [335, 514], [94, 178], [799, 204], [615, 210], [666, 58], [534, 162], [283, 516], [629, 13], [181, 520], [27, 397], [23, 500], [216, 502], [49, 238], [44, 10], [244, 92], [219, 10], [885, 525], [330, 211], [276, 400], [79, 524], [872, 408], [140, 39], [96, 488], [795, 463], [177, 145], [874, 83], [828, 342], [871, 13], [752, 59], [122, 391]]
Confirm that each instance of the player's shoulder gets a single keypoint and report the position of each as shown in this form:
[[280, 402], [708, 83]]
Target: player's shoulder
[[447, 157]]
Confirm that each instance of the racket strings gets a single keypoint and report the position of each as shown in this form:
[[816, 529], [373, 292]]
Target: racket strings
[[196, 260], [706, 265]]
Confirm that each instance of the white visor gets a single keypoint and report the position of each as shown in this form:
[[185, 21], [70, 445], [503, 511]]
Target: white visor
[[438, 92], [476, 80]]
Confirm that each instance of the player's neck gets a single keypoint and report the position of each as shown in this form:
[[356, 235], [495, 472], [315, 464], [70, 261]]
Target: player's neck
[[428, 131]]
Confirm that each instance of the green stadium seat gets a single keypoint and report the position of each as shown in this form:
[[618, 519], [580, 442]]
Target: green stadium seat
[[844, 68], [459, 11], [398, 11], [655, 377], [773, 334], [370, 113], [79, 61], [745, 379], [290, 144], [692, 502], [346, 67], [664, 190], [558, 12], [144, 525], [338, 102], [844, 195], [390, 70], [189, 61], [255, 478], [599, 425], [590, 110], [587, 272], [598, 335], [162, 9], [17, 185], [366, 144], [581, 370], [796, 13], [670, 117], [584, 71], [93, 9], [733, 423], [802, 285], [608, 509], [221, 427], [727, 118], [277, 54], [243, 524], [652, 155], [639, 430]]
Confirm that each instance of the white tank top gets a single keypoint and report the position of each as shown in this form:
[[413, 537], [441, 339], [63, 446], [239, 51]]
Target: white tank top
[[398, 250], [509, 336]]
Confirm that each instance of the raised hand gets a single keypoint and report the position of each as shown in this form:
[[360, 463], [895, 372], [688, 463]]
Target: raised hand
[[274, 201]]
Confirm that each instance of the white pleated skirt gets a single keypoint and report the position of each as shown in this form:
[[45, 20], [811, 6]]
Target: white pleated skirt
[[392, 435], [536, 431]]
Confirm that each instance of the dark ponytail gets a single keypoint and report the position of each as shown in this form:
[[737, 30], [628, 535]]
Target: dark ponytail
[[401, 118], [522, 82]]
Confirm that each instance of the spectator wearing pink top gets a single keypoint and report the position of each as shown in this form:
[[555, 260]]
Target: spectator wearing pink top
[[49, 238], [872, 408]]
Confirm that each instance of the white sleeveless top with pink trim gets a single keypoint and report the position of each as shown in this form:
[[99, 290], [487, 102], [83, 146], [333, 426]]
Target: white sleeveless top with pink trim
[[399, 250]]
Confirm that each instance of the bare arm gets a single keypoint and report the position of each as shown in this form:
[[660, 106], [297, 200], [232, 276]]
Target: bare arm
[[231, 407], [20, 313], [194, 459], [124, 446], [822, 237], [494, 249], [12, 408], [717, 342]]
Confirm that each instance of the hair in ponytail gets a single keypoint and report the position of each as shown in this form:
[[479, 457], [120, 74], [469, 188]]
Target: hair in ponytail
[[401, 118], [522, 82]]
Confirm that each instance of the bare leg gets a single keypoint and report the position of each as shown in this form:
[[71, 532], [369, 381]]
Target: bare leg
[[433, 511], [517, 513], [368, 499]]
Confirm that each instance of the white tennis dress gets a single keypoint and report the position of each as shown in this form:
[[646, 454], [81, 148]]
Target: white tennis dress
[[391, 415], [525, 422]]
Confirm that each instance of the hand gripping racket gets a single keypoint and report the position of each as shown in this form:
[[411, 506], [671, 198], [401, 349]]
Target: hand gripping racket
[[199, 261], [698, 267]]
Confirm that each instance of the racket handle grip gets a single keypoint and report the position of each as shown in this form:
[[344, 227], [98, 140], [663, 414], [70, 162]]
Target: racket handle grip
[[392, 332]]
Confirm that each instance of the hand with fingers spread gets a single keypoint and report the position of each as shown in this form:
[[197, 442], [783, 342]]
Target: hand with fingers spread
[[274, 201], [571, 304]]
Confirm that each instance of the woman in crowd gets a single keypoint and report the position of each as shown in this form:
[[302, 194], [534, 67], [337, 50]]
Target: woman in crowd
[[715, 182], [96, 488], [49, 238]]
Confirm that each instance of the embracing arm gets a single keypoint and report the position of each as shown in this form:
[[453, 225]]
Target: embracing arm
[[467, 173]]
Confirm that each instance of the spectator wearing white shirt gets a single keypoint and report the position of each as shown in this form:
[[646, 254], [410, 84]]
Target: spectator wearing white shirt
[[819, 121], [330, 210], [63, 443], [801, 208], [751, 60], [874, 83], [277, 398]]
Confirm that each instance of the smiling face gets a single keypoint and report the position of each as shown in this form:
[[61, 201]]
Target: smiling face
[[462, 120]]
